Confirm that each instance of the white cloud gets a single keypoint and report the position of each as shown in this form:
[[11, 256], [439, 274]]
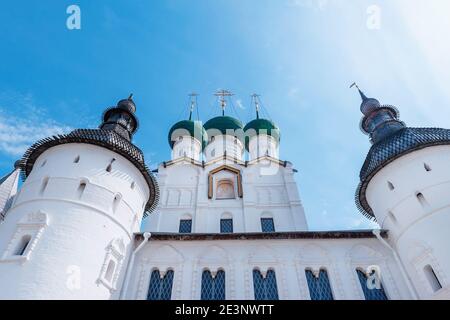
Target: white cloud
[[18, 133]]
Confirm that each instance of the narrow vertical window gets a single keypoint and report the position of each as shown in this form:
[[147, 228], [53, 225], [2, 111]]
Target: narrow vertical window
[[116, 202], [160, 288], [109, 167], [44, 185], [432, 278], [226, 225], [390, 186], [426, 167], [23, 245], [81, 189], [421, 198], [265, 288], [77, 159], [185, 226], [372, 288], [213, 288], [319, 287], [267, 225]]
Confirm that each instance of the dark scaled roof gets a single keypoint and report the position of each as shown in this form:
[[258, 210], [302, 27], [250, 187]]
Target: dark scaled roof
[[224, 124], [402, 142], [258, 126], [115, 133], [188, 127]]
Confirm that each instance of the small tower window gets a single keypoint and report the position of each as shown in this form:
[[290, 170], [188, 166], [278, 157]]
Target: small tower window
[[432, 278], [132, 185], [392, 217], [390, 186], [422, 199], [77, 159], [116, 202], [23, 245], [81, 188], [109, 167], [44, 163], [44, 185], [427, 167]]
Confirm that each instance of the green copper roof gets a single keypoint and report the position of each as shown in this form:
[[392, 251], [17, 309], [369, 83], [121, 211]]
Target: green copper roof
[[187, 127], [223, 123], [258, 126]]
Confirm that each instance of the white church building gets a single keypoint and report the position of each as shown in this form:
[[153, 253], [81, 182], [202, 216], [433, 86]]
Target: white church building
[[222, 219]]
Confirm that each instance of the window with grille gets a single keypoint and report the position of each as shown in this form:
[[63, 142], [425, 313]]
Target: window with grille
[[226, 225], [369, 286], [185, 226], [319, 287], [160, 288], [213, 288], [265, 288], [267, 225]]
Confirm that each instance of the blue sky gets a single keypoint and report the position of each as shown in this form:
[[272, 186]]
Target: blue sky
[[300, 55]]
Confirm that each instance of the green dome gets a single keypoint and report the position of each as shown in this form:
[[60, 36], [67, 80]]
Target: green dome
[[188, 127], [258, 126], [223, 123]]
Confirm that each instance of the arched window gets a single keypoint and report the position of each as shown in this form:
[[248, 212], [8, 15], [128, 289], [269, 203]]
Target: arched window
[[265, 288], [432, 278], [23, 245], [213, 288], [160, 288], [372, 287], [185, 226], [267, 225], [319, 287], [225, 189], [226, 225]]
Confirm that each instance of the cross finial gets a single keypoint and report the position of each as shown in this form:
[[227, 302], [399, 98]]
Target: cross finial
[[363, 96], [255, 98], [193, 96], [222, 94]]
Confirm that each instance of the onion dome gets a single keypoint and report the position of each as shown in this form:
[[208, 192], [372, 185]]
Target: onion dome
[[390, 139], [225, 125], [114, 133], [188, 128], [261, 126], [121, 118]]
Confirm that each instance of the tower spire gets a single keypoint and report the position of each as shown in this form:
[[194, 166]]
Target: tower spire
[[379, 121], [363, 96], [121, 118], [222, 94]]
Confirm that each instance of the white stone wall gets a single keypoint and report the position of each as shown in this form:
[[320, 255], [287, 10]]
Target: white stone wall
[[80, 216], [410, 197], [219, 144], [263, 145], [186, 146], [268, 187], [288, 258]]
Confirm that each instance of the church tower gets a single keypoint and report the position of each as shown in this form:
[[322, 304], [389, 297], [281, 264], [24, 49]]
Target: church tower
[[405, 187], [69, 231]]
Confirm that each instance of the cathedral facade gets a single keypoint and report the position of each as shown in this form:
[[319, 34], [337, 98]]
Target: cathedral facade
[[222, 219]]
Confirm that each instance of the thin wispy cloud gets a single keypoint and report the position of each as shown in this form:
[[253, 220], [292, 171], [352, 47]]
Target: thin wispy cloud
[[18, 133]]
